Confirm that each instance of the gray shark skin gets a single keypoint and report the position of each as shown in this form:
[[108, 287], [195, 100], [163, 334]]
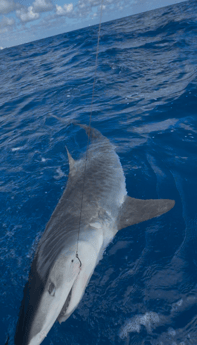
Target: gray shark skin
[[58, 277]]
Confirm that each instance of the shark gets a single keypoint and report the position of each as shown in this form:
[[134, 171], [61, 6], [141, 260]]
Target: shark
[[93, 208]]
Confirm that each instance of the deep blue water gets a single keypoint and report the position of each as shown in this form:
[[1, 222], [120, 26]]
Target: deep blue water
[[144, 291]]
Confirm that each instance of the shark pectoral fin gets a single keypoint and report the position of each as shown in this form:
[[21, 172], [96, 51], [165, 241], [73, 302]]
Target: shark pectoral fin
[[134, 211], [70, 159]]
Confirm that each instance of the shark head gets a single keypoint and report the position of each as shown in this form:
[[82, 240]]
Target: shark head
[[56, 298]]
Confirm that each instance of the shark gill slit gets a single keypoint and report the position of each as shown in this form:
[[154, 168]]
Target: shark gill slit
[[89, 132]]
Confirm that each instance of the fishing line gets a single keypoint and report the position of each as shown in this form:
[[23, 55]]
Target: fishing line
[[89, 132]]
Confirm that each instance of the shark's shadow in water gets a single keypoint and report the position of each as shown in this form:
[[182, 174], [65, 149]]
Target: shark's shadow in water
[[58, 277]]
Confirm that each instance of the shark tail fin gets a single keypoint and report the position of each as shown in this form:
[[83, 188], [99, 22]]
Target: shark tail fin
[[134, 211], [91, 132]]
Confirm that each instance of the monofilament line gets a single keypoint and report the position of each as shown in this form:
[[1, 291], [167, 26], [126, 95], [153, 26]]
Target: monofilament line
[[90, 119]]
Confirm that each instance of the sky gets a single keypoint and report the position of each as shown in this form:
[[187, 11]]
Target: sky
[[23, 21]]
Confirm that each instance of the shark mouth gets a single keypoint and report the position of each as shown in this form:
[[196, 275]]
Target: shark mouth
[[62, 316]]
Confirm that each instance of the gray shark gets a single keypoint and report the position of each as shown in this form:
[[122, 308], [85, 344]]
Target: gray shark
[[92, 209]]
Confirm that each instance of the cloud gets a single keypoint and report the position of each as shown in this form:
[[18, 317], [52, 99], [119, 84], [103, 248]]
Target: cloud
[[7, 6], [27, 14], [66, 10], [93, 3], [6, 24], [42, 6], [86, 7]]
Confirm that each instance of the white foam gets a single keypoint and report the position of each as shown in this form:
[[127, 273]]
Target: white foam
[[171, 332], [149, 320], [60, 174], [16, 149]]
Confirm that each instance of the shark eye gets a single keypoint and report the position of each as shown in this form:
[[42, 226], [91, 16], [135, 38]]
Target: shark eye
[[51, 289]]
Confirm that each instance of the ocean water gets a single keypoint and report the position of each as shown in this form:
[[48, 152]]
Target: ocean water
[[144, 290]]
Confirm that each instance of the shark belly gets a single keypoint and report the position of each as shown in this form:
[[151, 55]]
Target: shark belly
[[87, 266]]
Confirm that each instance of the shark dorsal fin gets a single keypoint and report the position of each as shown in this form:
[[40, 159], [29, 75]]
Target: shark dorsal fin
[[70, 159], [134, 211]]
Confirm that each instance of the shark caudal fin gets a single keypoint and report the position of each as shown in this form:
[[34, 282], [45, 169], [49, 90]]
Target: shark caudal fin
[[91, 132], [134, 211]]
